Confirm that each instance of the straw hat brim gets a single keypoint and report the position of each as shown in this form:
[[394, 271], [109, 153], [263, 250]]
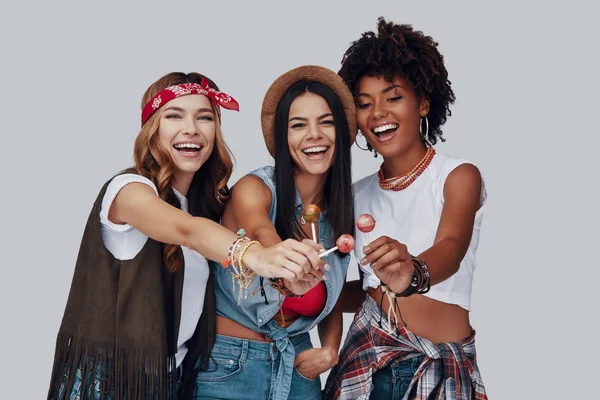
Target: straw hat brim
[[306, 72]]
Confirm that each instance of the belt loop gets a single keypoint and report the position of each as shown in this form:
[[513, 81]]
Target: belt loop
[[244, 355]]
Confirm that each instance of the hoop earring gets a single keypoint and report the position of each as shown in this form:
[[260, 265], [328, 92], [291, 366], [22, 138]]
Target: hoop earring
[[357, 145], [424, 135]]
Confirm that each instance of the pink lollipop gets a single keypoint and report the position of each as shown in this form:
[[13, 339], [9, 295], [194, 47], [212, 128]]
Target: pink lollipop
[[365, 223], [345, 244]]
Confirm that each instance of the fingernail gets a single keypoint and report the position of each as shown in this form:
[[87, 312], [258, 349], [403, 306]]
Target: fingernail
[[363, 261], [327, 267], [374, 265], [325, 277], [366, 250]]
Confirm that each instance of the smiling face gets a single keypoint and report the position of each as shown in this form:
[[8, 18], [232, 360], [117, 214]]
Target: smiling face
[[389, 114], [187, 131], [311, 134]]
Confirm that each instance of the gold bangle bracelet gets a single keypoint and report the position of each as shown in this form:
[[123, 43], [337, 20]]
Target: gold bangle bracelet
[[241, 259]]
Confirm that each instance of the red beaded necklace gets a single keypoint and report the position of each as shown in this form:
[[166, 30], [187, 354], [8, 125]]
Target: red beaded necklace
[[402, 182]]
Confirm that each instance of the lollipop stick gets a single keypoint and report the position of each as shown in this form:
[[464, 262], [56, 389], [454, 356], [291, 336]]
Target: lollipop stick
[[314, 232], [368, 237], [323, 254]]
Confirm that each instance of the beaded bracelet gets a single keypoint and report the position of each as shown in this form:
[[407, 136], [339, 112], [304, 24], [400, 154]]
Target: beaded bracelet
[[239, 273], [232, 249], [419, 284]]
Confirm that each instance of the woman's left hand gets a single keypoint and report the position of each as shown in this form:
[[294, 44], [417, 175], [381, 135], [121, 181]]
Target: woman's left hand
[[313, 362], [391, 262]]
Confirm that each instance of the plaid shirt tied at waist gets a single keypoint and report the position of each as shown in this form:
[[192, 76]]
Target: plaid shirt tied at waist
[[448, 371]]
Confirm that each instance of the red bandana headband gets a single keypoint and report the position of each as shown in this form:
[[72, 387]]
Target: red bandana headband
[[173, 92]]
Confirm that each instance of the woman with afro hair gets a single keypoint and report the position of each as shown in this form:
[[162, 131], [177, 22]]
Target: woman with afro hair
[[419, 217]]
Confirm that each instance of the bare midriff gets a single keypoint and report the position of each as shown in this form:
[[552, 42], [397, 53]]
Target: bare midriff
[[431, 319]]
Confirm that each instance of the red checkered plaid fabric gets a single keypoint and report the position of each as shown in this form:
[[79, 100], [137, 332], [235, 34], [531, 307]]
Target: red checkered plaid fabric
[[448, 371]]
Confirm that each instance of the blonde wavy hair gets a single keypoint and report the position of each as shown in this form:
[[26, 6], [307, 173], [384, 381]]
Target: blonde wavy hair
[[154, 162]]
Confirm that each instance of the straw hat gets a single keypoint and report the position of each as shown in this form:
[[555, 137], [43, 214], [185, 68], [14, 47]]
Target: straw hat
[[306, 72]]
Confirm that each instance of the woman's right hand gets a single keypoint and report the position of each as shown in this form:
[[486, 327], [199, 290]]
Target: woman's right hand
[[291, 260]]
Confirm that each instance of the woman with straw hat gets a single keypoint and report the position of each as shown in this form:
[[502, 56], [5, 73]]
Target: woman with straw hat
[[263, 349]]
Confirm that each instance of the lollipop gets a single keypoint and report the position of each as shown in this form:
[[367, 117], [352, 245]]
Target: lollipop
[[311, 214], [365, 223], [345, 244]]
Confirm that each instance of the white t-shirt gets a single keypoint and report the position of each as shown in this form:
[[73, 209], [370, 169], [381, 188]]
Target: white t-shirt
[[125, 242], [412, 216]]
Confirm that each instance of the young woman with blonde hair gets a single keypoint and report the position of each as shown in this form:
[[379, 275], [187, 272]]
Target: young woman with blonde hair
[[141, 311]]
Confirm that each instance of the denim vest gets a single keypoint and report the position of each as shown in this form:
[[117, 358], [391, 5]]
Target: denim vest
[[254, 312]]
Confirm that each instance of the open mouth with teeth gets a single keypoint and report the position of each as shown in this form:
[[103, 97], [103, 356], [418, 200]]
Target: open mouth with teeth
[[316, 152], [187, 148], [385, 132]]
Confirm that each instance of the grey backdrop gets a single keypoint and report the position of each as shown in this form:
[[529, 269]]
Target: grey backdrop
[[525, 75]]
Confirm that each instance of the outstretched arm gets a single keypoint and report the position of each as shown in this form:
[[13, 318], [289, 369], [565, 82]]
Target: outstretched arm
[[137, 204]]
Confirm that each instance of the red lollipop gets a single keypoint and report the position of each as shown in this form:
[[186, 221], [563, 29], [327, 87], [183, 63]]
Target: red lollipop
[[345, 244]]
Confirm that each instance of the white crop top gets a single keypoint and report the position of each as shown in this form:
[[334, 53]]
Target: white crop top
[[125, 242], [412, 216]]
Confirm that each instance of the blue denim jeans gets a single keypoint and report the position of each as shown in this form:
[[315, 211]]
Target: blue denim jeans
[[392, 381], [245, 369], [93, 392]]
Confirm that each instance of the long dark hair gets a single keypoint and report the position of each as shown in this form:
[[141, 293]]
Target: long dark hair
[[337, 192]]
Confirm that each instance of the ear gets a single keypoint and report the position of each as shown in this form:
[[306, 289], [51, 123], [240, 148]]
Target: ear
[[424, 106]]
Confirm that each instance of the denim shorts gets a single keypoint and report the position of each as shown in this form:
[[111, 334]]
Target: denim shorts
[[392, 381], [245, 369]]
